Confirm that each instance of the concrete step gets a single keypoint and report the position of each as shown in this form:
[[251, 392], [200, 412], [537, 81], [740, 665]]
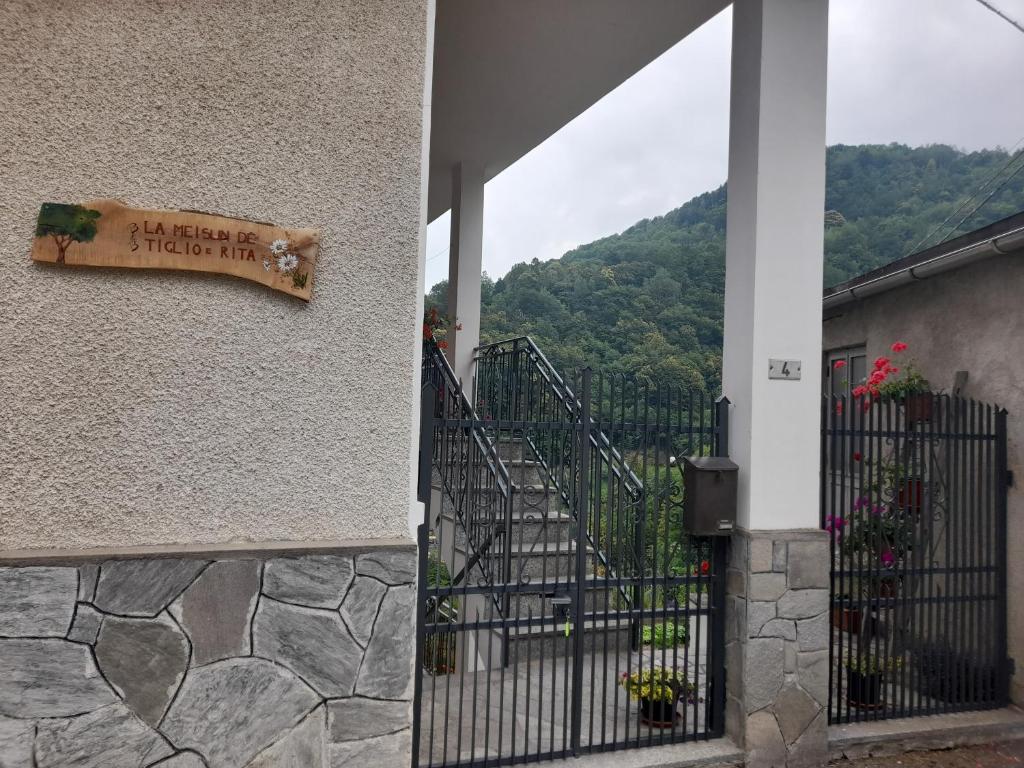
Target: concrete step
[[526, 472], [527, 527], [543, 561], [528, 643], [511, 449], [514, 449], [533, 488], [536, 499]]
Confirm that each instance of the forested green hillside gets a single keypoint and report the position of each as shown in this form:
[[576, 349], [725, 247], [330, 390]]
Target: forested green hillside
[[649, 300]]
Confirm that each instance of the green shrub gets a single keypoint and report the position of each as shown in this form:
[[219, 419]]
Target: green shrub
[[665, 634], [438, 574]]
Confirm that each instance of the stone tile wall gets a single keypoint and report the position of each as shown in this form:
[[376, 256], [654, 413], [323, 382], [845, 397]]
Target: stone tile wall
[[777, 638], [299, 660]]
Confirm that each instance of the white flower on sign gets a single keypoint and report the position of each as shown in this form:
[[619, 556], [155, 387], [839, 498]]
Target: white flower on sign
[[288, 262]]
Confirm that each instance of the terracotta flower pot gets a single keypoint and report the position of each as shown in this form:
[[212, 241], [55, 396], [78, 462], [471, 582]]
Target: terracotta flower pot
[[911, 495], [919, 407], [887, 588], [846, 619]]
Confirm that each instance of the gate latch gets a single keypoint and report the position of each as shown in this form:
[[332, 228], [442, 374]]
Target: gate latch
[[565, 603]]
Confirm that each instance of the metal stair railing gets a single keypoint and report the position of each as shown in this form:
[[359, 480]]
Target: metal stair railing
[[524, 345], [473, 477], [505, 372]]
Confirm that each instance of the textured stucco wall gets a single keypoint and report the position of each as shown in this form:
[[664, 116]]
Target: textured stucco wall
[[967, 320], [144, 407]]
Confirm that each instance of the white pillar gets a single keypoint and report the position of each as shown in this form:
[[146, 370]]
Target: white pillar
[[465, 264], [775, 235]]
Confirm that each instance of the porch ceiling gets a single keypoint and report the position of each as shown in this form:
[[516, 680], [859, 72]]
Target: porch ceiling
[[508, 74]]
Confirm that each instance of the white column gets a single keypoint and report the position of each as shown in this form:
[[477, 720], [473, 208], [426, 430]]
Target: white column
[[775, 235], [465, 264]]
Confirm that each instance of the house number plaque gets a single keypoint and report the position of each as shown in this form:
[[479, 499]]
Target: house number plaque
[[107, 233], [784, 369]]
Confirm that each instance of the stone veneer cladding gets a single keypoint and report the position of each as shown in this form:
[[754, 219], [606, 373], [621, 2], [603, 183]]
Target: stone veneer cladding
[[184, 662], [777, 638]]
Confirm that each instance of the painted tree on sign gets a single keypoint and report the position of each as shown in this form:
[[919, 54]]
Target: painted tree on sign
[[66, 224]]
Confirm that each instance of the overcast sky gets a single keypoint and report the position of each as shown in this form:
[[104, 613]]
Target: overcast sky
[[912, 71]]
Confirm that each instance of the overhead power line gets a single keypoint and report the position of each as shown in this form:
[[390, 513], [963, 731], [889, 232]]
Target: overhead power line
[[439, 253], [1014, 156], [1001, 15], [990, 195]]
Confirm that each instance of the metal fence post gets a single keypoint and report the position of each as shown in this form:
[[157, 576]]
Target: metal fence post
[[716, 710], [721, 447], [1002, 482], [582, 518], [716, 694], [428, 398]]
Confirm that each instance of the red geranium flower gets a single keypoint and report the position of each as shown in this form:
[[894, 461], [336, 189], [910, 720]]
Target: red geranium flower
[[856, 455], [705, 566], [898, 346], [839, 364], [881, 363]]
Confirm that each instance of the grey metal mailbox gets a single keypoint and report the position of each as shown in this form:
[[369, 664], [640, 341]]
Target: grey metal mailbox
[[709, 499]]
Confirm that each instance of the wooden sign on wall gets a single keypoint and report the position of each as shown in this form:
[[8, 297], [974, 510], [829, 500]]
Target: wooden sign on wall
[[107, 233]]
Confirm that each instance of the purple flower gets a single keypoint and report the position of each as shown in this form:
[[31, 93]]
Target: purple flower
[[888, 558], [860, 503], [834, 525], [878, 509]]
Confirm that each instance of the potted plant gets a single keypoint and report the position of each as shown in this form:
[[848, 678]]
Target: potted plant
[[910, 494], [885, 585], [878, 535], [439, 649], [436, 327], [913, 390], [901, 483], [903, 383], [865, 680], [658, 689], [895, 381], [845, 616]]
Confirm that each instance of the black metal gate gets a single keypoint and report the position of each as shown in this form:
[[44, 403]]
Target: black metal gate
[[563, 609], [914, 495]]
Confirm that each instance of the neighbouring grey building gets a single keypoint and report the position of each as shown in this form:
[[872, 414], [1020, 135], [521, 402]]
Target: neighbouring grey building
[[959, 306]]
